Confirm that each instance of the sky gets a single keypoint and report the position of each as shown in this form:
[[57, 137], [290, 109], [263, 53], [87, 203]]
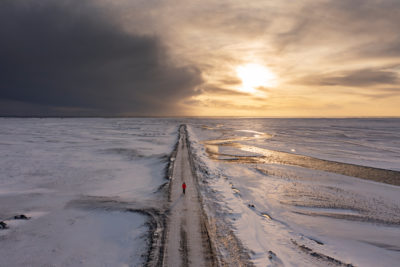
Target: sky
[[269, 58]]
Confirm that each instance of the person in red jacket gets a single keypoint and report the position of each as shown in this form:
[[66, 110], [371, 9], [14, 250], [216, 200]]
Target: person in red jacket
[[184, 187]]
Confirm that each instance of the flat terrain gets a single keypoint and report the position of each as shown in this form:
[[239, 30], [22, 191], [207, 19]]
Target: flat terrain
[[186, 243]]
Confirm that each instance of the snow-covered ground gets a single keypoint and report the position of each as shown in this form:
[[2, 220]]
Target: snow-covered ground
[[77, 178], [295, 216], [60, 172], [368, 142]]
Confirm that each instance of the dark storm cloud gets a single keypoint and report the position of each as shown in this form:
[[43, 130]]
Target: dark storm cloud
[[354, 78], [73, 58]]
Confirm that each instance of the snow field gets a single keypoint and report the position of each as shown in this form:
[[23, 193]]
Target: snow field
[[49, 164], [304, 217]]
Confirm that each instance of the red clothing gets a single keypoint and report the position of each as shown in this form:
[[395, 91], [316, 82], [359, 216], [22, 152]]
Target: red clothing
[[183, 186]]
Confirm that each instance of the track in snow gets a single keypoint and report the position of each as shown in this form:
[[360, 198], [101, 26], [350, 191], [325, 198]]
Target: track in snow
[[187, 242]]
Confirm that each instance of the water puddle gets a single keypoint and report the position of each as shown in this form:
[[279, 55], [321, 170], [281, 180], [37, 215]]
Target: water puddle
[[328, 210], [229, 150]]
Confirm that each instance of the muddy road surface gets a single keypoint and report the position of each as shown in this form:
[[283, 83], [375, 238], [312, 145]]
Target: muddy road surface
[[187, 242]]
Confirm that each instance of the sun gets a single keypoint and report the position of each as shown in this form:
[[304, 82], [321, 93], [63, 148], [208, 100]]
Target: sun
[[254, 76]]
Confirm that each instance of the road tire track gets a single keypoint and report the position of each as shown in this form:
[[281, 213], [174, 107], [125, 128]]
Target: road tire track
[[187, 240]]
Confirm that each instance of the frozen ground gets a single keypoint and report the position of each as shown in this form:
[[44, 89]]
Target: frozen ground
[[295, 216], [369, 142], [90, 187], [63, 172]]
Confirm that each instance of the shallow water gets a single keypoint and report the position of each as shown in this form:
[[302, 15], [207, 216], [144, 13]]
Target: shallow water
[[290, 187]]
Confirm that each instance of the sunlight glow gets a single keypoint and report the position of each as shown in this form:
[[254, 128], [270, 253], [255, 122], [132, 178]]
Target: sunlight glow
[[254, 76]]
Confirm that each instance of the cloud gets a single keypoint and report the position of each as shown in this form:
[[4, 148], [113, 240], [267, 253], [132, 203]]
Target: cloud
[[340, 24], [354, 78], [74, 58], [380, 93], [148, 57], [215, 90]]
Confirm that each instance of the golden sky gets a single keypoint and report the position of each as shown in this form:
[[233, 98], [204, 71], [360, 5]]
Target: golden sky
[[303, 58], [329, 57]]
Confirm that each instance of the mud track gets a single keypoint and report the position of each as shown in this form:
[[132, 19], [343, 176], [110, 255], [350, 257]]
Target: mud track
[[187, 240]]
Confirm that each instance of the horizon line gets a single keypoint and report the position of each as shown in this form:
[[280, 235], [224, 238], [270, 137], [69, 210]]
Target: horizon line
[[208, 117]]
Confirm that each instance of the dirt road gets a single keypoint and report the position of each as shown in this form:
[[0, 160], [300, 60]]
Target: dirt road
[[186, 241]]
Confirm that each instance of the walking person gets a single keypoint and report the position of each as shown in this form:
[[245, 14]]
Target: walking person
[[184, 187]]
